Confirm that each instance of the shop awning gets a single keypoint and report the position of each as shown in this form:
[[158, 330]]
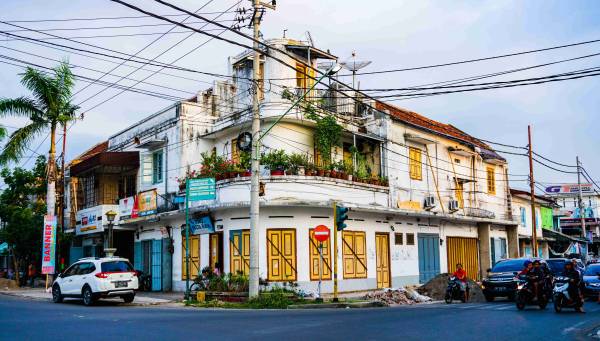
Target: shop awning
[[3, 248], [119, 159]]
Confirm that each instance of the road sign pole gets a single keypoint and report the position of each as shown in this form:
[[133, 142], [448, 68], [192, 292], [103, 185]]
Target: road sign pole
[[319, 298], [187, 239]]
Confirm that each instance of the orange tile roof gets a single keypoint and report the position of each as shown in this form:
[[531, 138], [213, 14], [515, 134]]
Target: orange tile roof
[[97, 149], [421, 121]]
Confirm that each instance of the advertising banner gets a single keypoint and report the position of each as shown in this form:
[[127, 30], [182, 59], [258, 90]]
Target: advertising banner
[[146, 203], [49, 245], [202, 225], [569, 189], [126, 206]]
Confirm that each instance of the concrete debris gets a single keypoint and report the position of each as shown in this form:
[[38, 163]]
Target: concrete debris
[[6, 284], [436, 289], [397, 296]]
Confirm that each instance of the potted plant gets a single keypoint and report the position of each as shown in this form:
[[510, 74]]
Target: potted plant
[[320, 171], [276, 161], [297, 162], [310, 169], [383, 181], [245, 163], [333, 170], [348, 170]]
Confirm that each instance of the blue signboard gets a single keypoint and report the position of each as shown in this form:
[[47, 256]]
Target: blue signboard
[[202, 225], [201, 189]]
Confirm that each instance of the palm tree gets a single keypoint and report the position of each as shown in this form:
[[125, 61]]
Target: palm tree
[[50, 107]]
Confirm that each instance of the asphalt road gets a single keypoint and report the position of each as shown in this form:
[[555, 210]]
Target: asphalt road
[[26, 319]]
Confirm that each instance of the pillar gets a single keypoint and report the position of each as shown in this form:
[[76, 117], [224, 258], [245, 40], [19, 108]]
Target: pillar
[[512, 236], [483, 232]]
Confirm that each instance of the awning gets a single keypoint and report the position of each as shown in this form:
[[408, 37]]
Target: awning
[[119, 159], [302, 50], [561, 236], [3, 248]]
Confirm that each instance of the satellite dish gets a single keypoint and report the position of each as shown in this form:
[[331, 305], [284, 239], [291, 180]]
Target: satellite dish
[[353, 65]]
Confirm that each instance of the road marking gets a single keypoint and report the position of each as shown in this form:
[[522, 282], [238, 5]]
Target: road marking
[[574, 327], [504, 307]]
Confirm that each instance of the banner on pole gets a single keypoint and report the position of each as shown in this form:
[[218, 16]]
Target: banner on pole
[[49, 245]]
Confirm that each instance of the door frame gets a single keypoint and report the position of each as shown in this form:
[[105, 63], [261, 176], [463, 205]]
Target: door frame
[[389, 264]]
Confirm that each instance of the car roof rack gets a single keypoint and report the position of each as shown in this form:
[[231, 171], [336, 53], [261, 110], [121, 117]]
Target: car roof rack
[[88, 258]]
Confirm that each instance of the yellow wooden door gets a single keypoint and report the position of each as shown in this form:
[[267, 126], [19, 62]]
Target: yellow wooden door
[[463, 250], [239, 251], [215, 251], [354, 254], [382, 250], [281, 254], [194, 257], [315, 262]]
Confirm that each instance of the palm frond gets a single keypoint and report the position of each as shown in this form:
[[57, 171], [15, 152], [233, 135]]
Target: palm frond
[[19, 141], [22, 107], [2, 132], [64, 81], [42, 87]]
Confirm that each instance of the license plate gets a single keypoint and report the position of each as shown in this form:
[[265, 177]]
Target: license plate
[[500, 289], [120, 284]]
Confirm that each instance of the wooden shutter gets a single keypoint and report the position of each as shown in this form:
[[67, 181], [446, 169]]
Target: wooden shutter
[[415, 165], [239, 251], [315, 261], [146, 168], [194, 257], [491, 180], [281, 254], [354, 254]]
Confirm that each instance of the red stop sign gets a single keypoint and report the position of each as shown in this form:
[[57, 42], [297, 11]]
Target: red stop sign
[[321, 233]]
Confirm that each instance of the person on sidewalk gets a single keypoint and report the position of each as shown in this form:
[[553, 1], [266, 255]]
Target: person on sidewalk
[[31, 273]]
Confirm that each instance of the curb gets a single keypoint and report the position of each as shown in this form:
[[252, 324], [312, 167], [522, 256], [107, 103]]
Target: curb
[[14, 294], [371, 304]]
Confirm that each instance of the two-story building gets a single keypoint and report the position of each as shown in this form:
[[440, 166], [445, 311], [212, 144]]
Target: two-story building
[[423, 195]]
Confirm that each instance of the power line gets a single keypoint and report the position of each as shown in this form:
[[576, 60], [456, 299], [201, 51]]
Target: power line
[[103, 18], [554, 162]]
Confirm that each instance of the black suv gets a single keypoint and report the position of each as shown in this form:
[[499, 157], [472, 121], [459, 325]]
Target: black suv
[[501, 280]]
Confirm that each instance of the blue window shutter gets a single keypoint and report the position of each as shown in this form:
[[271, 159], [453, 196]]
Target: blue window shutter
[[156, 265], [137, 255], [75, 254]]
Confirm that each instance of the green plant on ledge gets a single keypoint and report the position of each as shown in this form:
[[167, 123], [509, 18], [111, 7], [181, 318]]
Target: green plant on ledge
[[327, 132], [276, 160]]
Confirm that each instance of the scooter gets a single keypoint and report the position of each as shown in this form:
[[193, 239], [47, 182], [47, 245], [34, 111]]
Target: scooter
[[454, 291], [526, 296], [562, 299]]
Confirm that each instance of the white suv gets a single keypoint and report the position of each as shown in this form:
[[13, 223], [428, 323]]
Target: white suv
[[93, 278]]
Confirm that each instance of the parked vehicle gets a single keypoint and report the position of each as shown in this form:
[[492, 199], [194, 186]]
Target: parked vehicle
[[454, 291], [94, 278], [501, 281], [591, 281], [562, 299], [145, 280], [526, 293]]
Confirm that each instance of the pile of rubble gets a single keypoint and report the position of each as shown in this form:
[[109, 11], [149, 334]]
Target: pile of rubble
[[436, 289], [400, 296]]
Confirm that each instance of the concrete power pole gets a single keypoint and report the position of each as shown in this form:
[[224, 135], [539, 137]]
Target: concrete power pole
[[532, 190], [255, 162], [581, 210]]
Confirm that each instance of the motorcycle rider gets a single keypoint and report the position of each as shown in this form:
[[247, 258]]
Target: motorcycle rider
[[574, 279], [461, 275], [527, 266], [536, 277]]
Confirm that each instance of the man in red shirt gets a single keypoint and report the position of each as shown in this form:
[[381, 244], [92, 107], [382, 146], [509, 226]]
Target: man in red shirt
[[461, 275]]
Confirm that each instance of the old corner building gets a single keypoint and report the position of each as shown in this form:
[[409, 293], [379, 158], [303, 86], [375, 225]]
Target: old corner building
[[424, 195]]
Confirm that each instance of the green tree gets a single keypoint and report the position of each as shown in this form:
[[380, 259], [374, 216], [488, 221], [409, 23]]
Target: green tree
[[22, 210], [49, 108]]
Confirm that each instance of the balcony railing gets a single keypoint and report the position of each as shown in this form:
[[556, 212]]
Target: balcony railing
[[479, 213]]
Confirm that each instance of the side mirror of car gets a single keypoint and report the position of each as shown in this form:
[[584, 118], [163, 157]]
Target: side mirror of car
[[489, 270]]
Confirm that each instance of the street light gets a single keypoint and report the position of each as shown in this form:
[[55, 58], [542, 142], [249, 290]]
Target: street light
[[110, 217]]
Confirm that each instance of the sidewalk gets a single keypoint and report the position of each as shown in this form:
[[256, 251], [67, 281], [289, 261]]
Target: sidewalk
[[141, 298]]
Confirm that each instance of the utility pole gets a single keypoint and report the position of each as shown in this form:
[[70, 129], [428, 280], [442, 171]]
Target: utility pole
[[581, 210], [532, 189], [335, 253]]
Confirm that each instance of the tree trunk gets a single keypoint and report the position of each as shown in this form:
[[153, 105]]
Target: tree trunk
[[51, 176], [16, 265]]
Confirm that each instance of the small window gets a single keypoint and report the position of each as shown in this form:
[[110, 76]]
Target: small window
[[491, 181], [410, 239], [116, 266], [456, 160], [157, 167], [523, 217], [235, 153], [415, 165], [398, 239]]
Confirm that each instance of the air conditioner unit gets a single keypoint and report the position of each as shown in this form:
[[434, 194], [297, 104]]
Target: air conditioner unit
[[429, 202], [219, 228], [453, 205]]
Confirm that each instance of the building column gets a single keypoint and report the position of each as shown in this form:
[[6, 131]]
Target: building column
[[483, 232], [512, 235]]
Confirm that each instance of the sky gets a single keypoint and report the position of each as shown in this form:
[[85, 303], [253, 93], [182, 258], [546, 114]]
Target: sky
[[392, 34]]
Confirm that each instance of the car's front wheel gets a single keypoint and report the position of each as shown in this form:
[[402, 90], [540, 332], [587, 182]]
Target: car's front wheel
[[57, 296], [128, 298], [88, 296]]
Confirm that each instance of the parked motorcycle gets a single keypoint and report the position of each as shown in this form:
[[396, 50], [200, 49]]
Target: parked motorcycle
[[145, 281], [526, 296], [454, 291], [562, 298]]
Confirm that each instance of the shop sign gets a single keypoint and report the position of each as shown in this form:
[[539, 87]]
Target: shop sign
[[49, 244], [202, 225], [89, 220], [146, 203], [126, 206], [569, 189]]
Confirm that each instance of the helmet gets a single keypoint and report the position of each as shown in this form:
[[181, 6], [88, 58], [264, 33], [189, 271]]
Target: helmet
[[526, 263], [536, 262]]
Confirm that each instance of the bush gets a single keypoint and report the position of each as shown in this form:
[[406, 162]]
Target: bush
[[270, 300]]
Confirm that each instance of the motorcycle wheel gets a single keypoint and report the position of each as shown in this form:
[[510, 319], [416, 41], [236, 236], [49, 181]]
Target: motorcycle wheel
[[463, 297], [448, 298], [520, 300], [543, 302], [557, 304]]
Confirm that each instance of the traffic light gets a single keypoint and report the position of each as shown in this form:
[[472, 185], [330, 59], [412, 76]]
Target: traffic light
[[341, 215]]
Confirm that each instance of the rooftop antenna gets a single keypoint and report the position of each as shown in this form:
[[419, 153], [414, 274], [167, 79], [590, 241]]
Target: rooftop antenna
[[284, 30], [310, 39], [351, 64]]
